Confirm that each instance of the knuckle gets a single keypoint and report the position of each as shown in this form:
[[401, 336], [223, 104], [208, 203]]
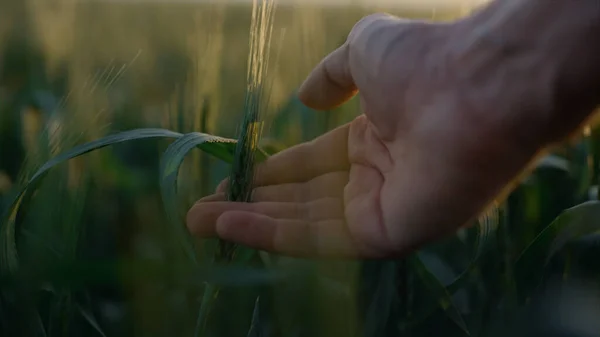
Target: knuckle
[[371, 19], [370, 24]]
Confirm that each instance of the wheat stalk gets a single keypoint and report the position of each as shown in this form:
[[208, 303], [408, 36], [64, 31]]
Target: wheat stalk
[[242, 171]]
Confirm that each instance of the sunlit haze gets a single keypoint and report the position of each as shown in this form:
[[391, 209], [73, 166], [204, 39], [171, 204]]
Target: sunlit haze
[[417, 4]]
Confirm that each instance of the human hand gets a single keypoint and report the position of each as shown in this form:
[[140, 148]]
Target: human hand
[[439, 139]]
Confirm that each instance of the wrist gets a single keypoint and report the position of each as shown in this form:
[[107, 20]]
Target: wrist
[[542, 59]]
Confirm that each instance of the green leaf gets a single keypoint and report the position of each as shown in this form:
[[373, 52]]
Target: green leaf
[[254, 330], [8, 253], [438, 291], [554, 162], [573, 223], [40, 324], [221, 148], [243, 255], [210, 294], [486, 228], [378, 314], [91, 320], [171, 161]]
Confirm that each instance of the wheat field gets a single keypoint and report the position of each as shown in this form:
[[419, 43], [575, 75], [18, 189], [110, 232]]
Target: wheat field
[[95, 248]]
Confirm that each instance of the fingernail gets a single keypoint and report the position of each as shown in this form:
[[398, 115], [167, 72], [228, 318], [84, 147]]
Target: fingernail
[[223, 185]]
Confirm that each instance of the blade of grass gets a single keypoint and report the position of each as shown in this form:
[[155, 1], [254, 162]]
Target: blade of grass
[[9, 255], [90, 319], [573, 223], [378, 314], [487, 228], [8, 250], [211, 292], [486, 234], [254, 330], [40, 325], [438, 292], [171, 161]]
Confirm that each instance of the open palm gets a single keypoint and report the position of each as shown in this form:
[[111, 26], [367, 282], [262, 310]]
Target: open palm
[[426, 156]]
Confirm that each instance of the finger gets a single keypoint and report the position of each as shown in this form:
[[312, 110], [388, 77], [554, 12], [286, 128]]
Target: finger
[[303, 162], [214, 197], [330, 84], [328, 238], [223, 186], [333, 81], [329, 185], [202, 217]]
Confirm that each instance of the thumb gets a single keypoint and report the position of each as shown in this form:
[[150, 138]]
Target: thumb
[[330, 84]]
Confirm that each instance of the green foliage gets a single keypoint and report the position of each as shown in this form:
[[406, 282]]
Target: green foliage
[[574, 223], [172, 159], [96, 245], [438, 291], [8, 257]]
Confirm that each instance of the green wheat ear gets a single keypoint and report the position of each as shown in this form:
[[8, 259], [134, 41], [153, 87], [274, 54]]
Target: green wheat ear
[[242, 169]]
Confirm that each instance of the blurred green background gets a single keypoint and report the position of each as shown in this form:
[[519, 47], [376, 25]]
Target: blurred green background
[[97, 254]]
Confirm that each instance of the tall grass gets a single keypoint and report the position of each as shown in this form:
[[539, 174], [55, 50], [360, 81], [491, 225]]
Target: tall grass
[[96, 246]]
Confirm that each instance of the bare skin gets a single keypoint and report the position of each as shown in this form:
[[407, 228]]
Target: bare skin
[[450, 119]]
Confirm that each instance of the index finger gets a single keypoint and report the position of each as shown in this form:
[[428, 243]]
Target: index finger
[[305, 161]]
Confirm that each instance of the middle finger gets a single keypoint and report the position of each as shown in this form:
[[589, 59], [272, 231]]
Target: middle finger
[[329, 185]]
